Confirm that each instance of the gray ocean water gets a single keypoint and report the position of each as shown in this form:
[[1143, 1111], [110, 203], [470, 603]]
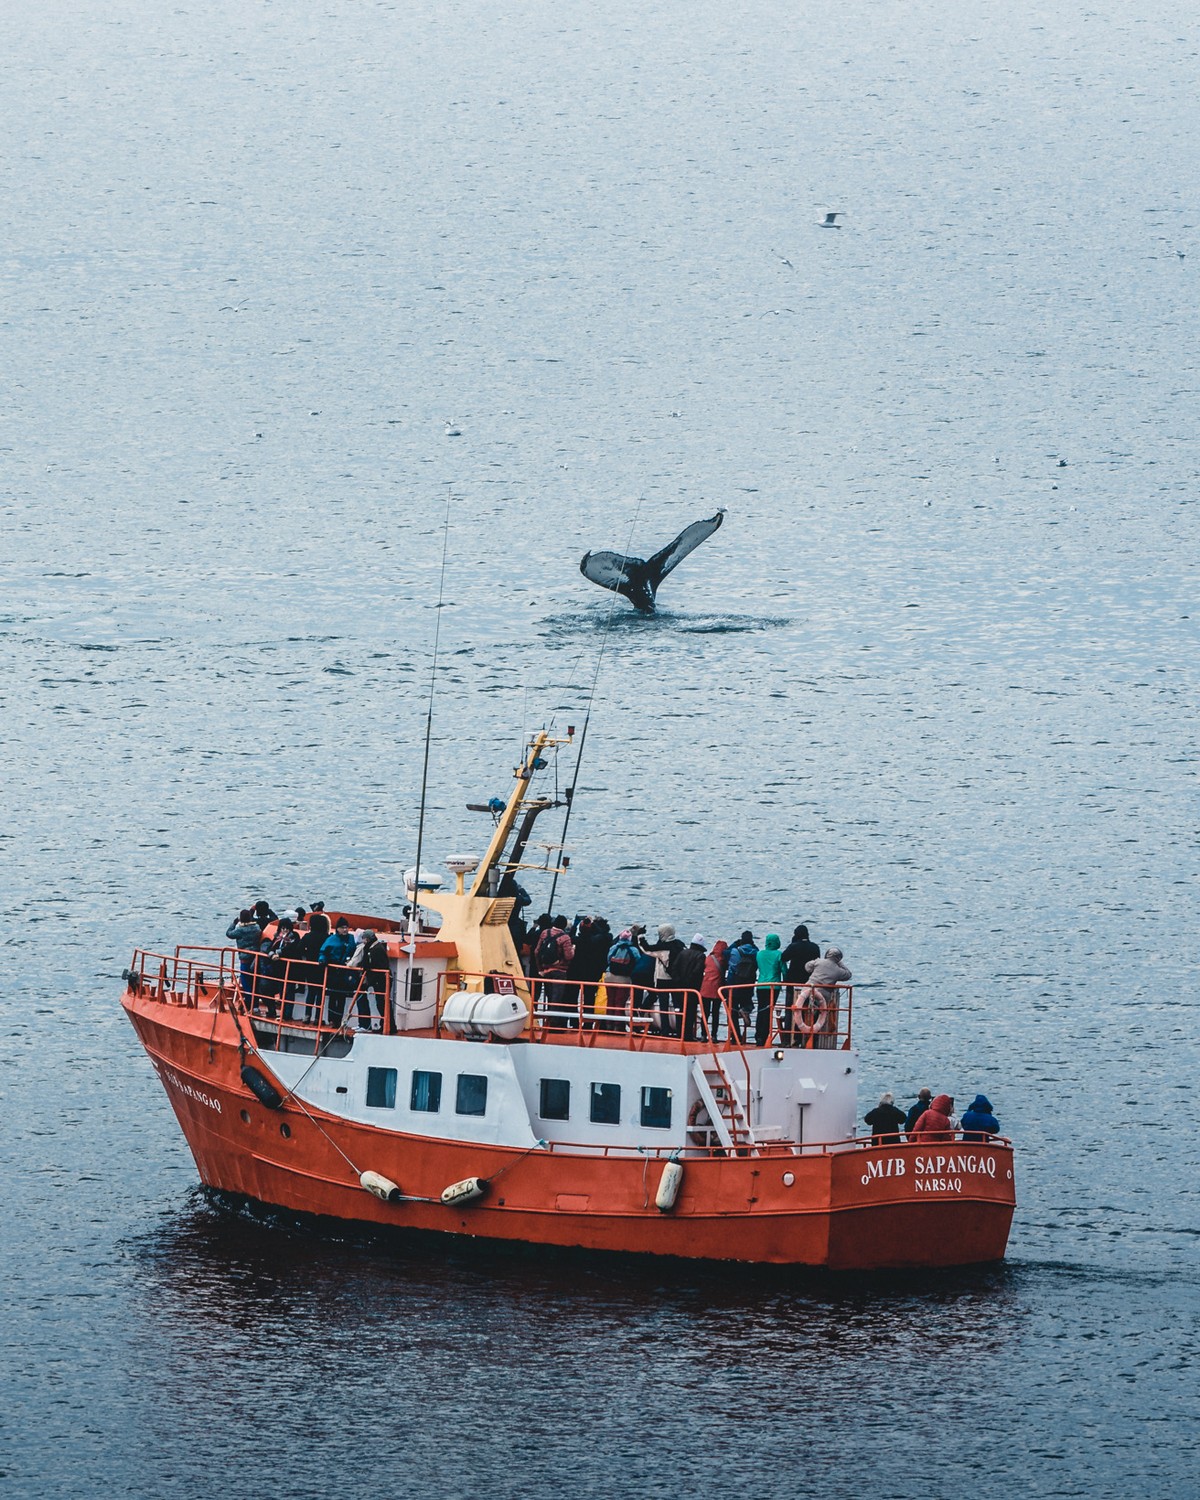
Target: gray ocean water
[[932, 689]]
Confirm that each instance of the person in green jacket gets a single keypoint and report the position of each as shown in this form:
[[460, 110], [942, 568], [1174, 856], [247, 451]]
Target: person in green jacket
[[770, 972]]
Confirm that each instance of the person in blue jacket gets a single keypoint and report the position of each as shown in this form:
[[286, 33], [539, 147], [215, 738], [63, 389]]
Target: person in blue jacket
[[741, 976], [336, 952], [979, 1122]]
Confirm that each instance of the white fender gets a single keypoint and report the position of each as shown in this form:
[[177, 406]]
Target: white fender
[[466, 1191], [381, 1187], [668, 1187]]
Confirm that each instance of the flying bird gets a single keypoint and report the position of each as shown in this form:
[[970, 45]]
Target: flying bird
[[830, 221], [637, 579]]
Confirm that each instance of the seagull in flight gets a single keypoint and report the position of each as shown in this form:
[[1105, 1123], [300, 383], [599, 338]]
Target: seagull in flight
[[830, 220], [783, 259]]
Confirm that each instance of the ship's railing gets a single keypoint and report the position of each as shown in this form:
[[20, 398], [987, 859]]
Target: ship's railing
[[798, 1015], [292, 995], [774, 1148]]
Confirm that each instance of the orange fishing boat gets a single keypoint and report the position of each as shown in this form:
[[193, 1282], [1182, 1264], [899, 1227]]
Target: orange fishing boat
[[492, 1105]]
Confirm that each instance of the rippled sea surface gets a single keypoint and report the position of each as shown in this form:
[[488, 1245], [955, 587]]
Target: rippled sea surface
[[932, 689]]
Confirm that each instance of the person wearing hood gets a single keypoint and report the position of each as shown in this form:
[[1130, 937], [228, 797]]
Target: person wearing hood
[[978, 1122], [885, 1120], [665, 953], [770, 972], [689, 971], [935, 1123], [710, 985], [817, 1012]]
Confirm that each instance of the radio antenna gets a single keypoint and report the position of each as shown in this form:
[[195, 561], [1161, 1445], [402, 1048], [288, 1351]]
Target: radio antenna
[[415, 904]]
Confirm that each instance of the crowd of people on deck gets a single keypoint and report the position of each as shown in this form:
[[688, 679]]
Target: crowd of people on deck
[[311, 966], [665, 986], [583, 973], [932, 1117]]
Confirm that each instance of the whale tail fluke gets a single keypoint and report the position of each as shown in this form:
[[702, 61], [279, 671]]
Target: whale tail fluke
[[639, 579]]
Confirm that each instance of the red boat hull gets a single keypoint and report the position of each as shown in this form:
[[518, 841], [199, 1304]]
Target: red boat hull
[[858, 1207]]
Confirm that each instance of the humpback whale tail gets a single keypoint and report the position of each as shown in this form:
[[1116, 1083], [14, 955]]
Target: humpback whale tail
[[639, 579]]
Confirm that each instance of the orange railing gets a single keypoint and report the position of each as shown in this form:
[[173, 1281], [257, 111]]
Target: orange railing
[[328, 997], [275, 993]]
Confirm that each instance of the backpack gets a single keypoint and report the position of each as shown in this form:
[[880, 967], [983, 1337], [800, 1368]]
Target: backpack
[[746, 969], [622, 957], [548, 952]]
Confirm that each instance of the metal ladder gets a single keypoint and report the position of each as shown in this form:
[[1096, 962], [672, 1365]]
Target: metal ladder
[[724, 1105]]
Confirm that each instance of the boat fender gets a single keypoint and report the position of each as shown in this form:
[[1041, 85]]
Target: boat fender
[[668, 1187], [382, 1187], [469, 1190], [262, 1088]]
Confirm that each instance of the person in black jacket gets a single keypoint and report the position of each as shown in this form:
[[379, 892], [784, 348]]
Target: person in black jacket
[[885, 1120], [796, 956], [689, 970], [593, 939], [918, 1109], [288, 947], [310, 974], [371, 956]]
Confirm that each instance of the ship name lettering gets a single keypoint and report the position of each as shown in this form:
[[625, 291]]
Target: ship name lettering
[[937, 1166], [938, 1184], [888, 1166], [172, 1078]]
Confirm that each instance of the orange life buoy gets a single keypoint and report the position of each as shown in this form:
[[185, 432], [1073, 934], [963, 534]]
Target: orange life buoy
[[811, 1010]]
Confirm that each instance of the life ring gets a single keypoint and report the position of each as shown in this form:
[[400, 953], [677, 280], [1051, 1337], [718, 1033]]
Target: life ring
[[694, 1120], [811, 1001]]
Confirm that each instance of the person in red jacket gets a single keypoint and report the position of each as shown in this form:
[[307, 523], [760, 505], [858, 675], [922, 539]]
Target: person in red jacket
[[710, 985], [935, 1123]]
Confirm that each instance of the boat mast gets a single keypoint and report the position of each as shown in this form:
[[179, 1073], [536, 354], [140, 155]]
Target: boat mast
[[504, 825]]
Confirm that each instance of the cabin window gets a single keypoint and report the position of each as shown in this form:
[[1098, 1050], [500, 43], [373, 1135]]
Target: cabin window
[[555, 1102], [472, 1094], [414, 984], [381, 1088], [606, 1103], [656, 1108], [426, 1092]]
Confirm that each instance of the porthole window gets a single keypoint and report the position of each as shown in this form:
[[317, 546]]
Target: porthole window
[[381, 1088], [555, 1099], [245, 1117], [286, 1132], [606, 1104], [656, 1108], [471, 1098]]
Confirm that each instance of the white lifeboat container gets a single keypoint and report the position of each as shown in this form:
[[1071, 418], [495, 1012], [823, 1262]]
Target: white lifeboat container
[[472, 1013]]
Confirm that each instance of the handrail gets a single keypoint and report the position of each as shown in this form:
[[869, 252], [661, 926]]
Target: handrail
[[569, 1007], [265, 991]]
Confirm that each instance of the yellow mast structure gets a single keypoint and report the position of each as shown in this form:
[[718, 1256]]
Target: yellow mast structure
[[476, 922]]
